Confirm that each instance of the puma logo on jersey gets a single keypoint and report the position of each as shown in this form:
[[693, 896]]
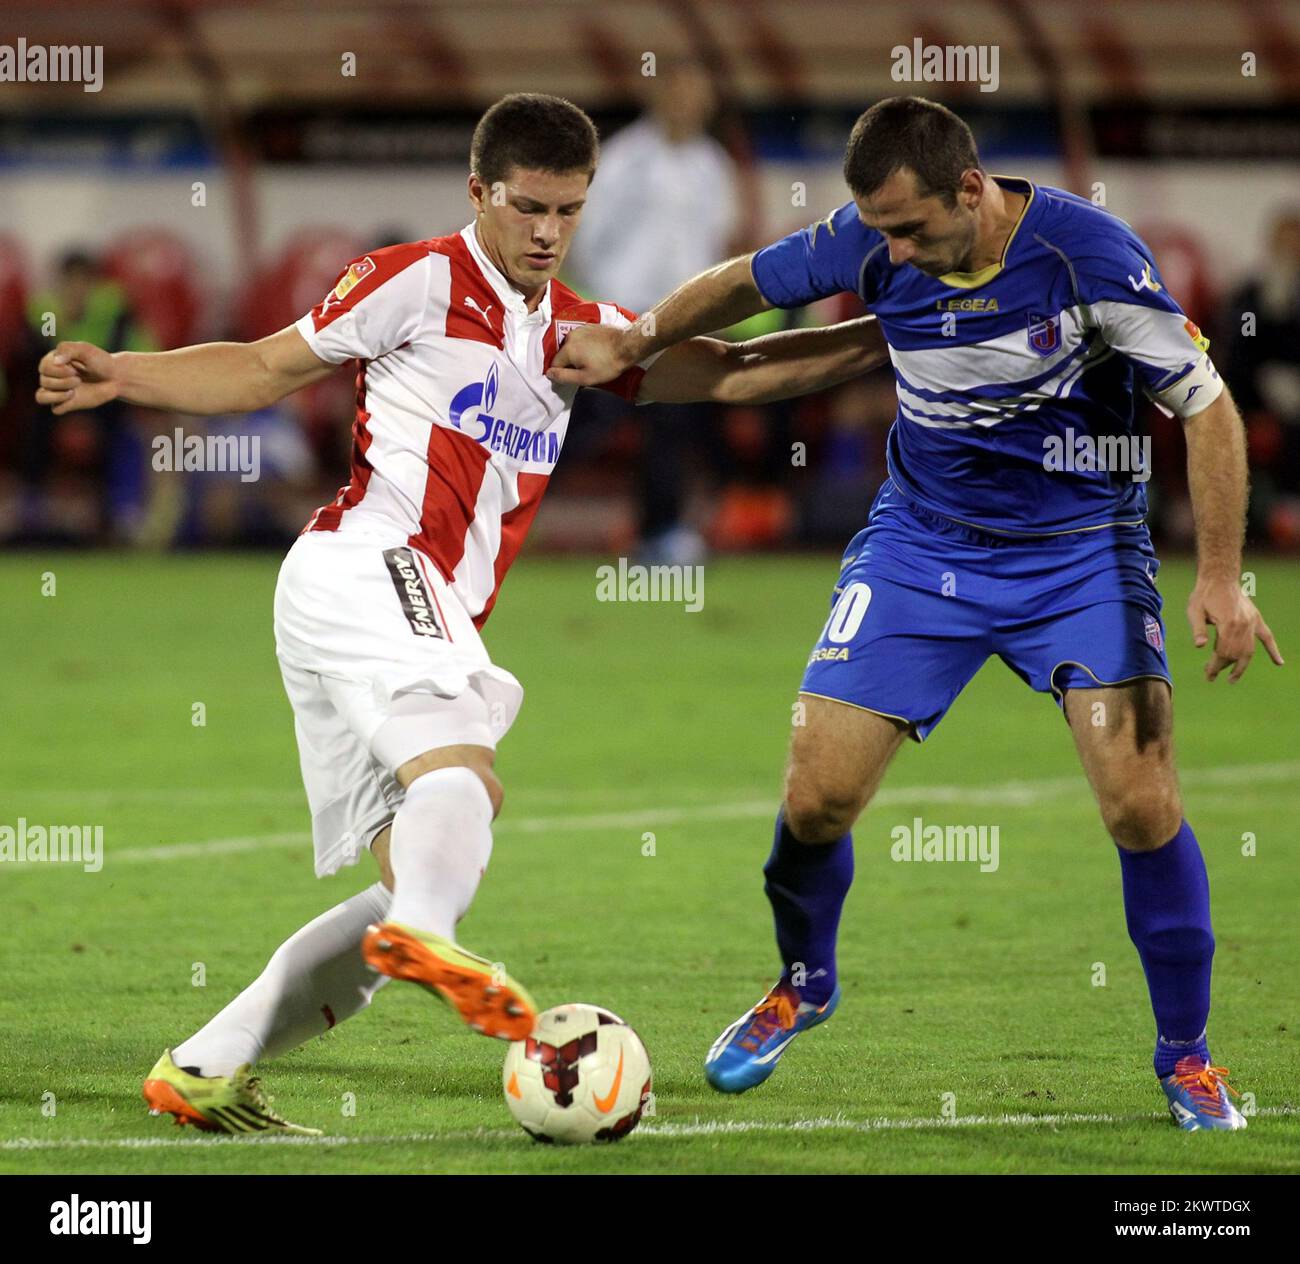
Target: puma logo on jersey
[[1147, 282], [469, 302]]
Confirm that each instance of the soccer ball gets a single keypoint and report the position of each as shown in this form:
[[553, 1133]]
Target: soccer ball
[[583, 1075]]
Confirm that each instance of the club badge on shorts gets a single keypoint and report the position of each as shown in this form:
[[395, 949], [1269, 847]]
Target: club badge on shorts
[[1154, 638], [418, 604]]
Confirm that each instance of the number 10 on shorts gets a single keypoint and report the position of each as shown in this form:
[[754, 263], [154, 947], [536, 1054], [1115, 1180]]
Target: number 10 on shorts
[[847, 615]]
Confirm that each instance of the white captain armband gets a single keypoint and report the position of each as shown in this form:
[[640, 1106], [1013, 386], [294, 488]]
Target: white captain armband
[[1195, 390]]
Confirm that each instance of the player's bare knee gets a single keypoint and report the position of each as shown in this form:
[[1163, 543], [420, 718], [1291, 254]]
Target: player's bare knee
[[817, 815], [1140, 819]]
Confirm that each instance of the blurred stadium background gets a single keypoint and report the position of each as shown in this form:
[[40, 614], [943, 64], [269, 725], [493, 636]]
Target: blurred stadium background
[[238, 154]]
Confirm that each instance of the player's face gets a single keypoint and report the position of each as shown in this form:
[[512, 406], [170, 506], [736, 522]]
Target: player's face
[[922, 231], [526, 221]]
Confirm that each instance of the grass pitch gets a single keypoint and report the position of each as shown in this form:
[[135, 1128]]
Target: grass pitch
[[975, 990]]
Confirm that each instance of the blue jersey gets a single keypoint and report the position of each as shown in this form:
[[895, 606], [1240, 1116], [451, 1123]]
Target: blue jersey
[[1015, 382]]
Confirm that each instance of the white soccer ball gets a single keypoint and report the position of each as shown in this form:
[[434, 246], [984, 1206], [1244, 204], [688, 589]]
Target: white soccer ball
[[583, 1075]]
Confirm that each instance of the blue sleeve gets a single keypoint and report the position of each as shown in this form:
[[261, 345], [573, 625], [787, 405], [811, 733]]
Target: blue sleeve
[[1120, 268], [1140, 320], [823, 259]]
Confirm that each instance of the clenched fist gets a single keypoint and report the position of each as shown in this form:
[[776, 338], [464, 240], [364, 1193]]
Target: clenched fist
[[592, 354], [76, 376]]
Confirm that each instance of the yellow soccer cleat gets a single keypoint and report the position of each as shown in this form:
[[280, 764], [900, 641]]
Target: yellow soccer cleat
[[487, 998], [214, 1103]]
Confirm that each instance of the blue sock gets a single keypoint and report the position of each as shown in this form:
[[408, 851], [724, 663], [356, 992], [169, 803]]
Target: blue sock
[[806, 885], [1167, 907]]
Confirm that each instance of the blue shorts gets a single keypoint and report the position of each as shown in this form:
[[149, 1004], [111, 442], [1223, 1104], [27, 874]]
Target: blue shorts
[[923, 601]]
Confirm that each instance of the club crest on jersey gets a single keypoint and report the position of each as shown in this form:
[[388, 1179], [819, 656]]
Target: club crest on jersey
[[471, 412], [1152, 627], [1044, 333], [563, 328]]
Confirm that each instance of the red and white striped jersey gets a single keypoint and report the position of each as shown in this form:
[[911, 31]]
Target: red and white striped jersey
[[457, 427]]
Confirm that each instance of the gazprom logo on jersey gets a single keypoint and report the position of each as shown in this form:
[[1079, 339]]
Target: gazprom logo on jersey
[[471, 411]]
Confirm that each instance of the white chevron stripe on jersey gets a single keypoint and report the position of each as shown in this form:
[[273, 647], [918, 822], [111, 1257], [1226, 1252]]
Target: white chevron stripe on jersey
[[968, 369], [1003, 361]]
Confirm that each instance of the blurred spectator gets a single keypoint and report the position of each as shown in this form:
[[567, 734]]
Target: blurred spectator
[[1261, 360], [664, 205], [82, 306]]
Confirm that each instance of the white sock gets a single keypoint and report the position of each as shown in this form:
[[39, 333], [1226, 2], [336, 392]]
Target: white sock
[[441, 842], [314, 980]]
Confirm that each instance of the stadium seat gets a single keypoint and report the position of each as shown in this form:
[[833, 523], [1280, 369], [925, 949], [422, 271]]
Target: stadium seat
[[160, 275], [13, 296]]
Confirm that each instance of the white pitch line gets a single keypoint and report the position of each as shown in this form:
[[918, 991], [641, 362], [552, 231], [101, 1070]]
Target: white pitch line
[[211, 847], [709, 1128], [1030, 791], [666, 1131], [1003, 794]]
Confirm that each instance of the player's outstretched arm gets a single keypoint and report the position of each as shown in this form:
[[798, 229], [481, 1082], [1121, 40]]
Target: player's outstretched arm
[[775, 366], [1216, 475], [208, 379], [722, 296]]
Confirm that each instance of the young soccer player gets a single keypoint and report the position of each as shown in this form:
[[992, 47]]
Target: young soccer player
[[1020, 319], [397, 706]]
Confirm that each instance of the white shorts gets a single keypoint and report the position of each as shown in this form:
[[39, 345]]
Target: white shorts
[[381, 663]]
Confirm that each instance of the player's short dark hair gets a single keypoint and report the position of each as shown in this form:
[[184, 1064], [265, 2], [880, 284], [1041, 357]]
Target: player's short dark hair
[[925, 137], [534, 131]]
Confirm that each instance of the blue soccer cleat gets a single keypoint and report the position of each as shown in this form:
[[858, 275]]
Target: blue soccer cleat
[[747, 1052], [1198, 1096]]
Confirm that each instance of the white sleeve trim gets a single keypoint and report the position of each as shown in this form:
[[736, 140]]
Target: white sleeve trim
[[306, 326]]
